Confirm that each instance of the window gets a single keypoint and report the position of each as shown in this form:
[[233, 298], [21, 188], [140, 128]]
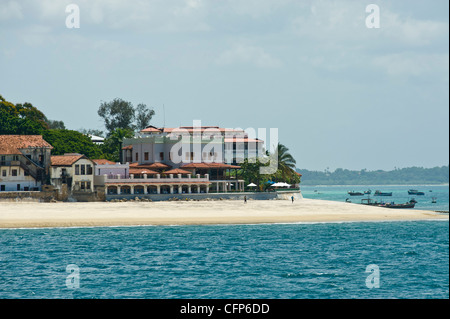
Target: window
[[2, 188], [77, 169], [161, 156], [146, 156], [89, 169], [137, 157], [3, 172], [14, 172], [18, 187], [83, 170]]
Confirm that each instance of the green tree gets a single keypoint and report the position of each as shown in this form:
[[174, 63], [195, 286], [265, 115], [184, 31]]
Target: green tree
[[55, 125], [143, 116], [112, 146], [68, 141], [21, 119], [286, 164], [117, 114]]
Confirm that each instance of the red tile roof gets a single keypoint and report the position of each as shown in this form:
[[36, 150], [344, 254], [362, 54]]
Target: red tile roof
[[65, 160], [209, 165], [11, 144], [103, 162], [177, 171], [142, 171]]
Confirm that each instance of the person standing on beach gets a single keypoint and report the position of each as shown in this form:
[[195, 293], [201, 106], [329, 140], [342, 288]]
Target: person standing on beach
[[292, 198], [245, 199]]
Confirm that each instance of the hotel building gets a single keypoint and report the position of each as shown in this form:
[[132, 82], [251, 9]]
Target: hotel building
[[182, 160]]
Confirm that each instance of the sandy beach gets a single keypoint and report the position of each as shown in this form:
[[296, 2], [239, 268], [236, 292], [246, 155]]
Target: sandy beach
[[26, 215]]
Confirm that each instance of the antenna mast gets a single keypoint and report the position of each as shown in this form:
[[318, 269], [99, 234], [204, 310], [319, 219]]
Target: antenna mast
[[164, 113]]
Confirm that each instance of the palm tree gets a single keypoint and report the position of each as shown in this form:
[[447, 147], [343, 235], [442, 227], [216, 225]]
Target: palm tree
[[286, 162]]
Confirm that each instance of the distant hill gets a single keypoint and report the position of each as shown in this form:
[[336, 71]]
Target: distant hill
[[403, 176]]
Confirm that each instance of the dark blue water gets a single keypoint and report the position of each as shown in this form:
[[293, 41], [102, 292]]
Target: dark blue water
[[322, 260]]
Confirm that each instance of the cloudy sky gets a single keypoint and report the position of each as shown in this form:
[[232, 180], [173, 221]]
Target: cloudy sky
[[341, 95]]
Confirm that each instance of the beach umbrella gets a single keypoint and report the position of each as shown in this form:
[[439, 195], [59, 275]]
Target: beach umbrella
[[251, 185], [277, 184]]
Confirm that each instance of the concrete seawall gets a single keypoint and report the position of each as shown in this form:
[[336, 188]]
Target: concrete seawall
[[213, 196], [54, 195]]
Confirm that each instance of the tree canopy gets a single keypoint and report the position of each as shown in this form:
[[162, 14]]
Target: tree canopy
[[120, 114], [21, 119]]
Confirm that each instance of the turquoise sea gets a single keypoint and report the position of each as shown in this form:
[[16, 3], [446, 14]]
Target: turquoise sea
[[290, 261], [351, 260], [399, 194]]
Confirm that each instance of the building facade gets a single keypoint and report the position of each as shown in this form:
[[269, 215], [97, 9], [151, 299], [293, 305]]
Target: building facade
[[24, 162], [74, 170]]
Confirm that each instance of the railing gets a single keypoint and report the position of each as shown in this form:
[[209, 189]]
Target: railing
[[26, 164], [151, 178]]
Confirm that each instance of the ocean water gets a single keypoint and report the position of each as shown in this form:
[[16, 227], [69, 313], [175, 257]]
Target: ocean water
[[290, 261], [399, 194]]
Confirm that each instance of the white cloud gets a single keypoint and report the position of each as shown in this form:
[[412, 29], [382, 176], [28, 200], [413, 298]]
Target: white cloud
[[414, 65], [250, 55], [10, 11]]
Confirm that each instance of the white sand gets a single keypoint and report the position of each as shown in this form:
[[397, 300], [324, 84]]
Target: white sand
[[22, 214]]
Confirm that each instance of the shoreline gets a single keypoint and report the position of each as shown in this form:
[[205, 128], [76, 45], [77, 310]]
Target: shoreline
[[122, 214]]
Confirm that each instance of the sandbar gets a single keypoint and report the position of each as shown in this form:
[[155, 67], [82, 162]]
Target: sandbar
[[77, 214]]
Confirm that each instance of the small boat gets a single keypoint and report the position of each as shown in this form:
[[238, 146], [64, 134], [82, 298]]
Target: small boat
[[378, 193], [353, 193], [370, 202], [433, 200], [368, 192], [415, 192], [413, 201], [405, 205]]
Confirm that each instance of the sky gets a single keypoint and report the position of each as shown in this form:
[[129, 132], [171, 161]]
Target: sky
[[341, 94]]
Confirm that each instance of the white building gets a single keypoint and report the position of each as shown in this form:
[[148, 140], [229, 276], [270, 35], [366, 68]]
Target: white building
[[75, 170], [24, 162]]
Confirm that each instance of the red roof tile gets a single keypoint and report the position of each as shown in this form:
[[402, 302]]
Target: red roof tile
[[135, 171], [177, 171], [103, 162], [65, 160], [11, 144]]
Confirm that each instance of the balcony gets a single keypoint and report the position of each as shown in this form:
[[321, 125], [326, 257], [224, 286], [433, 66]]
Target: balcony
[[147, 179]]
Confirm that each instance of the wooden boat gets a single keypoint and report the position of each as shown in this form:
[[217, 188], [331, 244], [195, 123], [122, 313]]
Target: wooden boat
[[370, 202], [353, 193], [405, 205], [415, 192], [378, 193]]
